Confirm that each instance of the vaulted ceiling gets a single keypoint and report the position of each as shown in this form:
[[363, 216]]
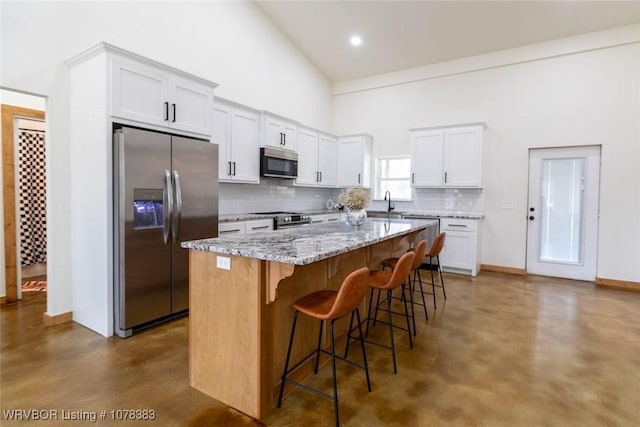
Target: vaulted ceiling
[[403, 34]]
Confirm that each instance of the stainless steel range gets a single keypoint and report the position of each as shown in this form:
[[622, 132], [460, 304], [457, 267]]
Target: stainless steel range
[[287, 219]]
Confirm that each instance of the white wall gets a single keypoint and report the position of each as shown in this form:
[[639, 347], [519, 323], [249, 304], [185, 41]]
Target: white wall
[[230, 43], [591, 97]]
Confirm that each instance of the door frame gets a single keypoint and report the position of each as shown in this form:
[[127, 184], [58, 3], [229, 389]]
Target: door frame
[[597, 181], [9, 114]]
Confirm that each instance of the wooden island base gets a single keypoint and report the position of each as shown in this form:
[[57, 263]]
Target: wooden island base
[[240, 320]]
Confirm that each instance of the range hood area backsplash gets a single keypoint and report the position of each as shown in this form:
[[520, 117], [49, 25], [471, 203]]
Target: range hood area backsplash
[[282, 195]]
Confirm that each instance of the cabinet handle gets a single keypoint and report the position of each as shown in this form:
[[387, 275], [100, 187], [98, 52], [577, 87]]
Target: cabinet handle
[[166, 111], [261, 227], [321, 176], [413, 177], [358, 178], [281, 138], [174, 113], [234, 168], [445, 177], [229, 231], [285, 139], [457, 225], [229, 173]]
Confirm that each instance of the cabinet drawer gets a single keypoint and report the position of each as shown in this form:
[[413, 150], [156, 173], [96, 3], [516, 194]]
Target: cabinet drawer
[[334, 217], [229, 228], [258, 226], [456, 224]]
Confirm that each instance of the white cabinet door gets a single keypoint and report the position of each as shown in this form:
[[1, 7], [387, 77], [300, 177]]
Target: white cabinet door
[[222, 137], [308, 172], [156, 96], [354, 161], [258, 226], [327, 160], [463, 157], [279, 133], [317, 219], [235, 130], [458, 250], [245, 146], [191, 106], [332, 217], [426, 158], [139, 92]]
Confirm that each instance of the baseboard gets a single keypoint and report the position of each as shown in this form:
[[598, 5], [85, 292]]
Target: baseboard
[[618, 284], [502, 269], [3, 300], [57, 319]]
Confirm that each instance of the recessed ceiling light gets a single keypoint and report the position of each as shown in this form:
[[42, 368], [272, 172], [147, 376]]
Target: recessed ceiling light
[[356, 40]]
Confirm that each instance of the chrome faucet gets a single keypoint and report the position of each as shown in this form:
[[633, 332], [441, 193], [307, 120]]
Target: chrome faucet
[[387, 196]]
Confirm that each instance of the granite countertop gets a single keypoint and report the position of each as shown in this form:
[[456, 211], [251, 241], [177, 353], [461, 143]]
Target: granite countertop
[[305, 245], [444, 214]]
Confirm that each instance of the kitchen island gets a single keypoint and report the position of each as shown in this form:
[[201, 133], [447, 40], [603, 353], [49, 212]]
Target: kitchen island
[[241, 292]]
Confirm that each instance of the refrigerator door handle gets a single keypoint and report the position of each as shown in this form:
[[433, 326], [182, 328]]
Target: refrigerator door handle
[[167, 210], [178, 213]]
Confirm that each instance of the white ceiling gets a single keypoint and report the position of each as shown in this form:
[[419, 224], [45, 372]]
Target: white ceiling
[[403, 34]]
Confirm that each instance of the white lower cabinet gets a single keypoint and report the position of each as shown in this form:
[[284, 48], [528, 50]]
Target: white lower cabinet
[[461, 252], [230, 228], [244, 227], [325, 218]]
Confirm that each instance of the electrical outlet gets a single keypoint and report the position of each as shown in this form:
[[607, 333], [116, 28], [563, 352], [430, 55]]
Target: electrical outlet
[[223, 262], [507, 204]]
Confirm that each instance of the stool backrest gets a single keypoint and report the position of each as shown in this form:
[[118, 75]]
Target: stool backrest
[[421, 249], [438, 244], [351, 293], [401, 270]]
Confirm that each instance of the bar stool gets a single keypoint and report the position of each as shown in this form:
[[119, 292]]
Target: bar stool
[[330, 305], [434, 252], [389, 281], [419, 250]]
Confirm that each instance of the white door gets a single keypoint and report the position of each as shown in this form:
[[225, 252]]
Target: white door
[[245, 151], [463, 157], [350, 167], [426, 158], [562, 238], [327, 160], [307, 157]]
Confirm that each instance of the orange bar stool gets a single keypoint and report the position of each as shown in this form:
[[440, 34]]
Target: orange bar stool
[[330, 305], [434, 252], [388, 281], [419, 250]]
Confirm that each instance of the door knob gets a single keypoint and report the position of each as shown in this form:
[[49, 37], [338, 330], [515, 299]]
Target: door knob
[[531, 218], [532, 209]]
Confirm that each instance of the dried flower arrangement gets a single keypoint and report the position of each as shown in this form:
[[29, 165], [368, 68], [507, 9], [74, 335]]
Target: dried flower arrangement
[[354, 198]]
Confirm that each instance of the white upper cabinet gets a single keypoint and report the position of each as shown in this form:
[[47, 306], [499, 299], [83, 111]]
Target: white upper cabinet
[[317, 158], [235, 130], [151, 94], [448, 156], [278, 132], [354, 160]]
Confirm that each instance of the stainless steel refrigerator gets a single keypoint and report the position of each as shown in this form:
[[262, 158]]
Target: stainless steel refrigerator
[[165, 192]]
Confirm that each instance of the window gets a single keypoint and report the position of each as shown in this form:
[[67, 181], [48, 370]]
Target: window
[[393, 174]]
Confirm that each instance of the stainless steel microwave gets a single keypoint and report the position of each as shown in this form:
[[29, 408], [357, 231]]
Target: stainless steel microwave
[[275, 163]]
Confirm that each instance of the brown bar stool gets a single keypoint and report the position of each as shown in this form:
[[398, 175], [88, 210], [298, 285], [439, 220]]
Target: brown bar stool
[[434, 252], [330, 305], [389, 281], [419, 250]]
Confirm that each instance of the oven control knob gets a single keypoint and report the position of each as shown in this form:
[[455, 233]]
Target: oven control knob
[[287, 218]]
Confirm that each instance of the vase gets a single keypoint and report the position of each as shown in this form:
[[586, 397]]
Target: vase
[[356, 217]]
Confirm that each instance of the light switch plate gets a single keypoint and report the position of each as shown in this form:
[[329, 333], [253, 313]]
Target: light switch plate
[[223, 262]]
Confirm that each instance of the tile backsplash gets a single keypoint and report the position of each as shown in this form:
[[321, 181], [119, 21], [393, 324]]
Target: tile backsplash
[[282, 195], [272, 195]]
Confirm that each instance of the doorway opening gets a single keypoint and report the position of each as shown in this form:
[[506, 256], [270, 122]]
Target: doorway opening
[[24, 198], [562, 232]]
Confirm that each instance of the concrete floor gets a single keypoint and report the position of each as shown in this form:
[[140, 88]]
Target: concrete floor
[[502, 351]]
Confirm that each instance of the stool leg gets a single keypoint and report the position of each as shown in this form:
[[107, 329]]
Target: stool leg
[[375, 316], [369, 311], [424, 304], [315, 369], [346, 349], [390, 320], [441, 278], [413, 314], [433, 283], [406, 314], [286, 362], [364, 354], [333, 371]]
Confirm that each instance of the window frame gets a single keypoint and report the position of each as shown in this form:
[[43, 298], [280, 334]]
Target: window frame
[[378, 177]]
